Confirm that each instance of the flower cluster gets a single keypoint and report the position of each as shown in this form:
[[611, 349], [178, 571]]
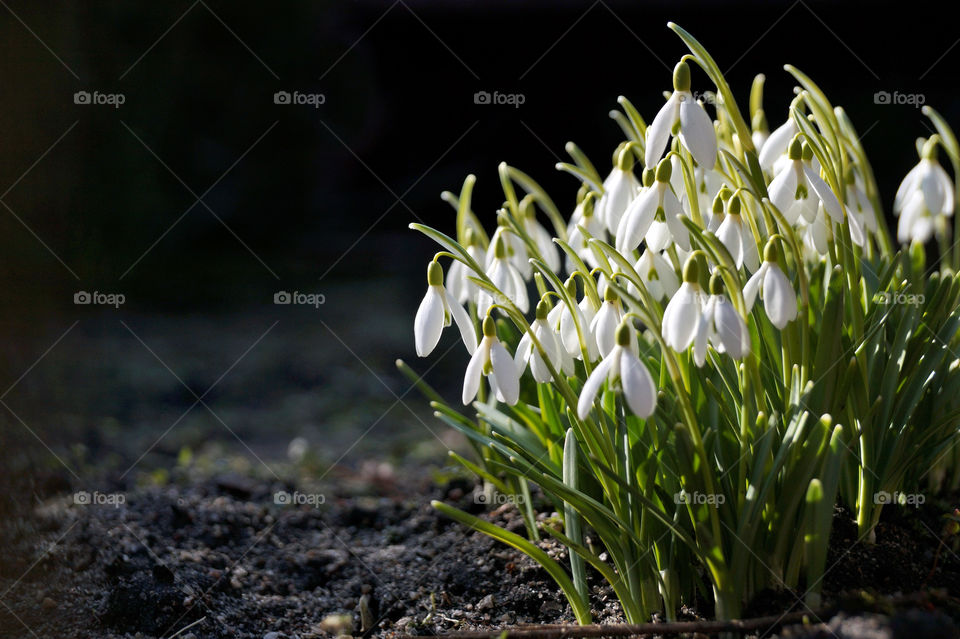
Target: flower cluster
[[647, 347]]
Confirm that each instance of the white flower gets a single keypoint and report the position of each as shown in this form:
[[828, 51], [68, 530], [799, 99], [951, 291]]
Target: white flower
[[681, 317], [779, 298], [619, 189], [516, 251], [622, 365], [570, 319], [435, 311], [458, 277], [761, 133], [924, 198], [736, 236], [528, 353], [643, 211], [776, 144], [605, 322], [505, 277], [540, 236], [583, 216], [859, 205], [682, 116], [492, 360], [657, 275], [790, 190], [721, 326]]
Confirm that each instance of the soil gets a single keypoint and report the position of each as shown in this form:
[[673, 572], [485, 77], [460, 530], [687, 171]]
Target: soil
[[218, 557]]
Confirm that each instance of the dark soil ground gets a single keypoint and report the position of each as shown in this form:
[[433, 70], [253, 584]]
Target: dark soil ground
[[218, 557]]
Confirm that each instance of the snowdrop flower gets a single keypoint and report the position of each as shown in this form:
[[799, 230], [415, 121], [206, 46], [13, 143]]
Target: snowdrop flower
[[619, 189], [790, 190], [459, 274], [924, 199], [540, 236], [680, 318], [621, 367], [435, 311], [686, 118], [657, 275], [777, 144], [761, 132], [604, 324], [570, 319], [528, 353], [491, 360], [583, 215], [859, 205], [516, 250], [721, 326], [505, 277], [658, 200], [736, 236], [779, 298]]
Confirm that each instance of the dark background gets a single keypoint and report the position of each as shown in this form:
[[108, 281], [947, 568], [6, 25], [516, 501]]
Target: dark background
[[318, 200]]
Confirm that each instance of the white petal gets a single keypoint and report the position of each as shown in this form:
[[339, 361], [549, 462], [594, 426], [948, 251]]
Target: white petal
[[818, 234], [907, 187], [519, 292], [779, 298], [776, 145], [702, 335], [783, 190], [622, 191], [857, 234], [659, 131], [604, 327], [680, 318], [505, 372], [946, 186], [731, 330], [471, 380], [592, 386], [751, 254], [752, 286], [468, 333], [678, 231], [428, 323], [522, 355], [933, 194], [830, 202], [636, 221], [638, 388], [729, 235], [697, 133], [658, 237]]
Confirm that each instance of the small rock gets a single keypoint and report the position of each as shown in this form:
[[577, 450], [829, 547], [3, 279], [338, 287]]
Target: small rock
[[486, 603], [48, 603], [274, 635]]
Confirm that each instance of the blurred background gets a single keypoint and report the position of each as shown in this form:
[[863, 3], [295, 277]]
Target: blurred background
[[199, 158]]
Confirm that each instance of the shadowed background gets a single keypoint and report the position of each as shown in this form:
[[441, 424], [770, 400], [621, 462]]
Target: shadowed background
[[199, 198]]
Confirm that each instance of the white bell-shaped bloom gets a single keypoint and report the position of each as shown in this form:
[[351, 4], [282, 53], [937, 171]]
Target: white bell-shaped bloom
[[657, 274], [736, 236], [621, 367], [458, 277], [542, 239], [708, 184], [797, 189], [516, 251], [435, 312], [505, 277], [685, 117], [924, 199], [720, 326], [859, 204], [619, 189], [493, 361], [682, 315], [659, 199], [575, 326], [779, 298], [528, 353], [584, 218], [605, 322], [777, 144]]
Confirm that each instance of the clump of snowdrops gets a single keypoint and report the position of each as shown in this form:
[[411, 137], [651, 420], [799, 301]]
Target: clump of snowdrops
[[721, 343]]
